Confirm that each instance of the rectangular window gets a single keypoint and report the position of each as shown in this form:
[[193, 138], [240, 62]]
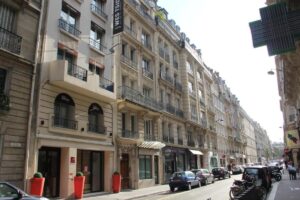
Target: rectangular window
[[148, 127], [190, 86], [7, 18], [132, 119], [3, 74], [145, 38], [123, 121], [145, 167], [146, 64], [146, 92], [97, 36]]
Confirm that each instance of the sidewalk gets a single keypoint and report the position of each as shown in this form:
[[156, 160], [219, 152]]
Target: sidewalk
[[286, 189], [130, 194]]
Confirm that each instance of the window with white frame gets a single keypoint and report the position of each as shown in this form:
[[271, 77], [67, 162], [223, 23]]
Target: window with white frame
[[146, 64], [189, 67], [69, 18], [198, 75], [145, 38], [190, 86], [97, 36]]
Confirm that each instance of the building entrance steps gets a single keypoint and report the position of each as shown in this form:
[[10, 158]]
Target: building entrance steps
[[129, 194]]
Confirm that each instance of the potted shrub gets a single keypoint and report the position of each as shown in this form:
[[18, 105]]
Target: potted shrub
[[79, 180], [116, 182], [37, 184]]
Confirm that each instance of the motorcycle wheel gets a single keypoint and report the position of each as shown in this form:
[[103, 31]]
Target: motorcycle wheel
[[278, 177]]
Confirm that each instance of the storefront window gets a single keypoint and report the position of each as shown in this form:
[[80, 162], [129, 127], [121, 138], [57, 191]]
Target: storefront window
[[180, 162], [145, 169], [213, 162]]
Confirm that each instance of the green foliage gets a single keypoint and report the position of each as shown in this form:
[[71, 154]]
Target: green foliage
[[38, 175]]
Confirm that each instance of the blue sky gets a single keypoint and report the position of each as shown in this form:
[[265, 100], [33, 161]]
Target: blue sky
[[221, 30]]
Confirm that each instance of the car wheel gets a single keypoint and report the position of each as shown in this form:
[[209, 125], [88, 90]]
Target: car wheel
[[213, 181], [172, 189], [189, 186], [262, 193]]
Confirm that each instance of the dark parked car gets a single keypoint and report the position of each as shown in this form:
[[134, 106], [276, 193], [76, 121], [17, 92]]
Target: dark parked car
[[184, 180], [220, 172], [204, 175], [261, 175], [237, 169], [11, 192]]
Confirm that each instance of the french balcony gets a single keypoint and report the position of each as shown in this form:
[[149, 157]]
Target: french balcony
[[78, 79], [70, 28], [96, 128], [147, 73], [192, 93], [168, 139], [97, 45], [106, 84], [147, 45], [130, 31], [129, 134], [10, 41], [178, 86], [175, 64], [166, 77], [4, 102], [161, 52], [64, 123], [167, 58], [138, 98], [141, 11], [129, 62], [180, 141], [191, 143], [98, 11]]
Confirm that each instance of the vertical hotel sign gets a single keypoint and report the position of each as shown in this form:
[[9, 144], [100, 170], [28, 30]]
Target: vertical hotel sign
[[118, 23]]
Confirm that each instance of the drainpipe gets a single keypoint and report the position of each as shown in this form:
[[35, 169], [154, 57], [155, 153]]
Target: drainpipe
[[30, 111]]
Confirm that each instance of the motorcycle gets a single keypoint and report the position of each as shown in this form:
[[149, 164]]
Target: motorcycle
[[239, 186], [275, 173]]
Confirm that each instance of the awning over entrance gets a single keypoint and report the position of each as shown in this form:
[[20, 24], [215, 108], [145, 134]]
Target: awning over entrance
[[195, 152], [152, 145]]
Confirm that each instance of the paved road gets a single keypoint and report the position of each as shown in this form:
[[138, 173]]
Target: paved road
[[216, 191]]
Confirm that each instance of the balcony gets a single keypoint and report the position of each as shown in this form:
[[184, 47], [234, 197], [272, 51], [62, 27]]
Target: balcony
[[137, 97], [178, 86], [106, 84], [166, 77], [129, 134], [180, 141], [96, 128], [131, 32], [10, 41], [175, 64], [147, 73], [129, 62], [98, 11], [168, 139], [64, 123], [70, 28], [191, 143], [141, 11], [4, 102], [77, 79], [97, 45]]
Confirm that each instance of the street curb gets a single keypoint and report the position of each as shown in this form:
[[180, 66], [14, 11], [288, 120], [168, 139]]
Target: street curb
[[273, 191], [146, 195]]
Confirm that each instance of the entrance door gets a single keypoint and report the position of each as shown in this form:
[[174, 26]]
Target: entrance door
[[125, 171], [49, 166], [156, 172], [97, 171]]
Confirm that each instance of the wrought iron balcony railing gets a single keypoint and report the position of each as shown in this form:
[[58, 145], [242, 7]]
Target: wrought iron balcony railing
[[165, 76], [129, 62], [10, 41], [106, 84], [96, 128], [64, 123], [70, 28], [141, 11], [147, 73], [137, 97], [98, 11], [130, 31], [77, 72], [97, 45], [178, 86], [4, 102], [129, 134]]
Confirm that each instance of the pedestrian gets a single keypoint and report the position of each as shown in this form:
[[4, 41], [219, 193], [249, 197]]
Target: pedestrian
[[292, 171]]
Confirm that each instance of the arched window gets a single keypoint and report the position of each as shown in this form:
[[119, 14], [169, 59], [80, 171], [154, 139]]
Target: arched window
[[96, 119], [64, 110]]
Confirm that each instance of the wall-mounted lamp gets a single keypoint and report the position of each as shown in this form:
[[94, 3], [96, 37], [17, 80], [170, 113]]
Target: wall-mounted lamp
[[272, 71]]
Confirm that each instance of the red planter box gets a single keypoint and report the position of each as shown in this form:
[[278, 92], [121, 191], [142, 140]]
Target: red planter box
[[116, 183], [78, 186], [37, 186]]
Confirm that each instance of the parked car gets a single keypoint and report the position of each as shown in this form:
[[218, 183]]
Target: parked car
[[11, 192], [261, 175], [184, 180], [237, 169], [220, 172], [204, 175]]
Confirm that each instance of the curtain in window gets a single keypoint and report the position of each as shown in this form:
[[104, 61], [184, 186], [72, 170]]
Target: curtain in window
[[7, 18]]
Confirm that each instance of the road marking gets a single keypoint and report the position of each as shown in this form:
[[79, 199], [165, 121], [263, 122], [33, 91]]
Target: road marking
[[273, 191]]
